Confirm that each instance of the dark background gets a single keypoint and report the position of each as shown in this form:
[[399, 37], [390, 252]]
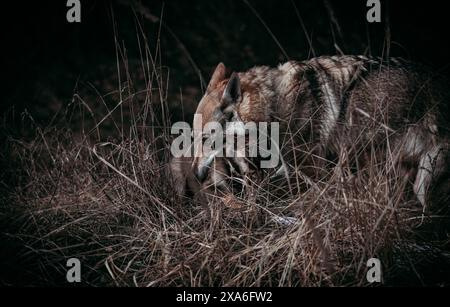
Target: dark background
[[45, 59]]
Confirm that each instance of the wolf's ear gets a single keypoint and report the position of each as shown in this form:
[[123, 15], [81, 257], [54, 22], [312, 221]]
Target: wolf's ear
[[218, 75], [232, 91]]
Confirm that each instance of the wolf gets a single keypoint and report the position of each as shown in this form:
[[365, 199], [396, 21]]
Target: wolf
[[342, 108]]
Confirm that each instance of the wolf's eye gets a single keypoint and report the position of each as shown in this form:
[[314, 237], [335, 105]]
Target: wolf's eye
[[228, 116], [222, 114], [226, 108]]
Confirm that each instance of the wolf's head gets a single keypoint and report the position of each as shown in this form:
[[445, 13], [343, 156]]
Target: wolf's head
[[216, 185], [217, 105]]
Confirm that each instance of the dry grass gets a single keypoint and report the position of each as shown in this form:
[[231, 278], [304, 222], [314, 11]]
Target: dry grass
[[111, 205]]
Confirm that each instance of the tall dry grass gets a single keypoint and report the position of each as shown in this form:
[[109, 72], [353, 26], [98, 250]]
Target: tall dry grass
[[111, 204]]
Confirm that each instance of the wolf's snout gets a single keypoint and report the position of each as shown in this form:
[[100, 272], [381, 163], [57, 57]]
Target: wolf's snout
[[202, 165], [201, 173]]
